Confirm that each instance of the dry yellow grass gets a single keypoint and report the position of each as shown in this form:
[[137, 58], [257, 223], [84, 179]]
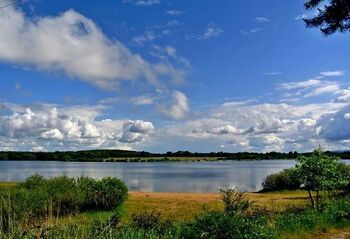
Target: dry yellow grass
[[183, 206]]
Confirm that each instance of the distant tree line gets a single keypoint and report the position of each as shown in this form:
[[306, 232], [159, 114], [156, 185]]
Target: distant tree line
[[107, 155]]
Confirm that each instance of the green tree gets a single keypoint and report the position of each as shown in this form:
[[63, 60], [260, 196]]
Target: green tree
[[333, 16], [320, 172]]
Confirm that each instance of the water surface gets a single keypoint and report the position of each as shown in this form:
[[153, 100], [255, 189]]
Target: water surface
[[156, 176]]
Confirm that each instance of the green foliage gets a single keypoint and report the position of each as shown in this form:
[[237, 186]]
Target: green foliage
[[235, 201], [220, 225], [38, 198], [151, 221], [335, 212], [320, 172], [285, 180], [104, 194], [238, 220]]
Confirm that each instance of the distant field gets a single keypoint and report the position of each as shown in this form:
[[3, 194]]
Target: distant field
[[165, 159]]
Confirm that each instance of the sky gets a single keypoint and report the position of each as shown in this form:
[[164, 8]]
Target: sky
[[162, 75]]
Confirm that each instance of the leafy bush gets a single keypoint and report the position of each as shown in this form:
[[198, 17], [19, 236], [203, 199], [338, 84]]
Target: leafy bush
[[284, 180], [220, 225], [39, 197], [151, 221], [238, 220], [235, 201], [104, 194]]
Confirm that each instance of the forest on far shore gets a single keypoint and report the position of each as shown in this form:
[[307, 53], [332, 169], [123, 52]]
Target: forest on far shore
[[124, 155]]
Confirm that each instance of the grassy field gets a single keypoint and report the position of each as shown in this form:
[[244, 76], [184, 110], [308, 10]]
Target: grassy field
[[185, 206]]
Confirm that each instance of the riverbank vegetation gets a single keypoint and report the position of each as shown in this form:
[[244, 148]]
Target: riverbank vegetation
[[63, 207], [142, 156]]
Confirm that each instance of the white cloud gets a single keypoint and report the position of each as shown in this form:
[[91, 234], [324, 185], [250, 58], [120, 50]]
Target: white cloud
[[52, 134], [314, 87], [344, 95], [60, 128], [301, 17], [146, 37], [146, 3], [265, 140], [173, 23], [262, 19], [273, 73], [167, 53], [332, 73], [301, 84], [335, 127], [72, 44], [135, 131], [258, 127], [178, 108], [252, 31], [212, 31], [240, 126], [330, 88], [143, 100], [175, 12], [222, 130]]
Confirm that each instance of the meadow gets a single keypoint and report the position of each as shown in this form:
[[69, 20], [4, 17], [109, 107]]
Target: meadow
[[311, 200], [140, 215]]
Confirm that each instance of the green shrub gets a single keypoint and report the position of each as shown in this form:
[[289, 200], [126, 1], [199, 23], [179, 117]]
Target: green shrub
[[38, 197], [151, 221], [106, 194], [284, 180], [235, 201], [238, 220], [219, 225], [33, 182]]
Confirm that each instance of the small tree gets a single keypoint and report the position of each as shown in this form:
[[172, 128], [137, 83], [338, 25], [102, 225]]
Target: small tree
[[320, 172], [235, 201]]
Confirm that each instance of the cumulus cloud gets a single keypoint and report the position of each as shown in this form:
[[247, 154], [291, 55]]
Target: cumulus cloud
[[343, 95], [65, 128], [335, 127], [265, 140], [135, 131], [73, 44], [224, 130], [249, 125]]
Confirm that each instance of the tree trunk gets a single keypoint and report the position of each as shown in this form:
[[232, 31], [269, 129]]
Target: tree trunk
[[312, 199]]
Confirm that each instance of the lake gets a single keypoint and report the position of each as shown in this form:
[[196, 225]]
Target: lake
[[156, 176]]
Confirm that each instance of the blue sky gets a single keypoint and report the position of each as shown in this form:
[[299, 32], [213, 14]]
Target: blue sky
[[163, 75]]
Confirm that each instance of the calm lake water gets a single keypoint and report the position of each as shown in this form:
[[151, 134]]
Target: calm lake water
[[157, 176]]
